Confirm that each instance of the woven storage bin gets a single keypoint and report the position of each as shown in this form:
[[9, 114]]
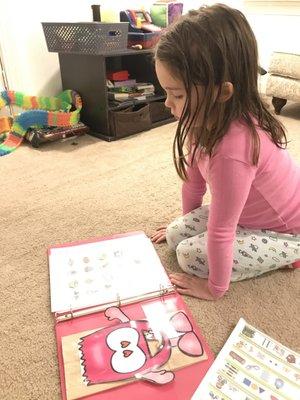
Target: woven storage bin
[[86, 37], [158, 111], [130, 120]]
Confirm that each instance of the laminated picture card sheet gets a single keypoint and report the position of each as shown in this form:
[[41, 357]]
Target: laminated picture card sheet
[[252, 366], [122, 330]]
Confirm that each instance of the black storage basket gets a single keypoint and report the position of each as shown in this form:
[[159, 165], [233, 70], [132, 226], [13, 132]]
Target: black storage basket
[[85, 37]]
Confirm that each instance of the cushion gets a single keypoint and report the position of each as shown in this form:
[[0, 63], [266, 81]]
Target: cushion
[[284, 88], [285, 64]]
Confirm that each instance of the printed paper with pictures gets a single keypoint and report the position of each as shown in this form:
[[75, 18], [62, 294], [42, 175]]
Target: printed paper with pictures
[[100, 272], [252, 366]]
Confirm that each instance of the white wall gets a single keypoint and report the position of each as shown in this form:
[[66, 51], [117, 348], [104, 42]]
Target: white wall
[[275, 33], [32, 69]]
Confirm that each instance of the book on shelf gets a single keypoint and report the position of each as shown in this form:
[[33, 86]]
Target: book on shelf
[[122, 330], [129, 86], [127, 96], [130, 83], [146, 87], [252, 366]]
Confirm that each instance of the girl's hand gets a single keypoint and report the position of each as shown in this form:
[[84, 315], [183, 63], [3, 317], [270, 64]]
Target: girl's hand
[[160, 235], [191, 285]]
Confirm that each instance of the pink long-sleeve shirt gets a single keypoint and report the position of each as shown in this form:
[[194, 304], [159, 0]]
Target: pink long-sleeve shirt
[[265, 196]]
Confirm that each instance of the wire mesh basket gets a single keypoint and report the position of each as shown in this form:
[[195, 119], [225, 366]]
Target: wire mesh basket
[[85, 37]]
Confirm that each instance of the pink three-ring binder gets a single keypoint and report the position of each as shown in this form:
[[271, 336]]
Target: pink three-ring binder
[[140, 346]]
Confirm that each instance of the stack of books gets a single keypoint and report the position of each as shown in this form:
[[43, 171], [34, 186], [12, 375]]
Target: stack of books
[[129, 89]]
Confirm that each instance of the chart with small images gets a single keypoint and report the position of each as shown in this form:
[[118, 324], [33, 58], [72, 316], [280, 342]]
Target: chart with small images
[[252, 366], [104, 271]]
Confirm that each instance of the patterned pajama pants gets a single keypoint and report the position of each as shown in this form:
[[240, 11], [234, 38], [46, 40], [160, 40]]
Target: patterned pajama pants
[[254, 252]]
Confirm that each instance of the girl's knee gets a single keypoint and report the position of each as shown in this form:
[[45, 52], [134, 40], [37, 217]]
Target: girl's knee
[[173, 234], [170, 238], [183, 256], [189, 259]]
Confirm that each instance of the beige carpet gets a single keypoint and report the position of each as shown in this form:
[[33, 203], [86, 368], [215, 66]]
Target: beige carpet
[[65, 192]]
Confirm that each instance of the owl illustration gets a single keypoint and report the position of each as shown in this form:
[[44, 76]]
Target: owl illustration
[[122, 351]]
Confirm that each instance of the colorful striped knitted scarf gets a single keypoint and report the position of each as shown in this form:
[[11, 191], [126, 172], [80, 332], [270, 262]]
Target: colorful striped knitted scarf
[[45, 111]]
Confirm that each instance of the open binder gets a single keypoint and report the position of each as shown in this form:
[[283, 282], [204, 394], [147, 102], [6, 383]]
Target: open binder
[[122, 329]]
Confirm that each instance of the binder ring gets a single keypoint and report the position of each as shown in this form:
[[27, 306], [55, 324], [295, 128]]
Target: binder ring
[[118, 300], [162, 292], [71, 312]]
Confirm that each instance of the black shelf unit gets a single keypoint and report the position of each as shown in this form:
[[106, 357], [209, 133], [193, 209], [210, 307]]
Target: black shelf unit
[[87, 75]]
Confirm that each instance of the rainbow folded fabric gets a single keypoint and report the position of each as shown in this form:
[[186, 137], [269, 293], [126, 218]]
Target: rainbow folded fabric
[[44, 112]]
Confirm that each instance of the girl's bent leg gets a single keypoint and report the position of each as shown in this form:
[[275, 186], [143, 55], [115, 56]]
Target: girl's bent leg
[[191, 255], [187, 226], [259, 251], [255, 252]]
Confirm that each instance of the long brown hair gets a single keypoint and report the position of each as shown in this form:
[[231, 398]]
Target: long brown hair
[[208, 47]]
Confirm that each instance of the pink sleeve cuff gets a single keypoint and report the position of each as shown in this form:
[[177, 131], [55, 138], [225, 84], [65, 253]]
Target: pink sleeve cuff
[[216, 291], [296, 264]]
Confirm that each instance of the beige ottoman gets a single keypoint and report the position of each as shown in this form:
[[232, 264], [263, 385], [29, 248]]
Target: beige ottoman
[[283, 82]]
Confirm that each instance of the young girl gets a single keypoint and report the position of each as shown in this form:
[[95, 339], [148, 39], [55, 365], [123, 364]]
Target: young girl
[[207, 63]]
